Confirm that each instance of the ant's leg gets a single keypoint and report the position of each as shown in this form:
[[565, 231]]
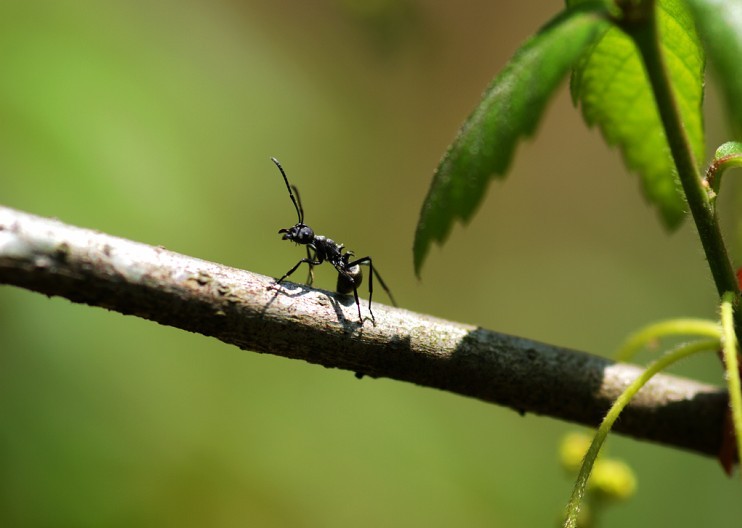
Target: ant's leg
[[310, 260], [367, 260], [374, 273], [292, 270], [346, 282], [383, 284], [358, 305]]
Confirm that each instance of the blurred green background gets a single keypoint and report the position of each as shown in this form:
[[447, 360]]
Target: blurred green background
[[155, 121]]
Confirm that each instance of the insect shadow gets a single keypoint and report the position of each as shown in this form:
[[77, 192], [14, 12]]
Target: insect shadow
[[322, 249]]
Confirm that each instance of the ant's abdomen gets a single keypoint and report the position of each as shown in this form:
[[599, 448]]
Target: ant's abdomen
[[350, 281]]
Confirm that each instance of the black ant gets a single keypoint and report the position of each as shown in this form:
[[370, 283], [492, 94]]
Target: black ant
[[320, 249]]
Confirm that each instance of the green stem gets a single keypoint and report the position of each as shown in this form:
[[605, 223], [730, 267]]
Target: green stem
[[578, 492], [645, 35], [655, 331], [731, 365]]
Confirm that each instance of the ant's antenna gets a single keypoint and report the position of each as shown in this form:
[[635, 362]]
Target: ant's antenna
[[297, 203]]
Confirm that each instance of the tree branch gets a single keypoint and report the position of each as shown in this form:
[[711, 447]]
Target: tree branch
[[244, 309]]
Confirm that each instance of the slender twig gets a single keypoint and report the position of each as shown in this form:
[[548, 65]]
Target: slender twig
[[245, 309], [681, 352], [645, 33], [731, 365], [655, 331]]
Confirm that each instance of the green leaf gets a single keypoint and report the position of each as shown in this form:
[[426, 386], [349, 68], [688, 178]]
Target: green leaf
[[730, 149], [509, 110], [719, 23], [612, 87]]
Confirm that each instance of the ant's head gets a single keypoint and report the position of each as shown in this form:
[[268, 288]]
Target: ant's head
[[300, 233]]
